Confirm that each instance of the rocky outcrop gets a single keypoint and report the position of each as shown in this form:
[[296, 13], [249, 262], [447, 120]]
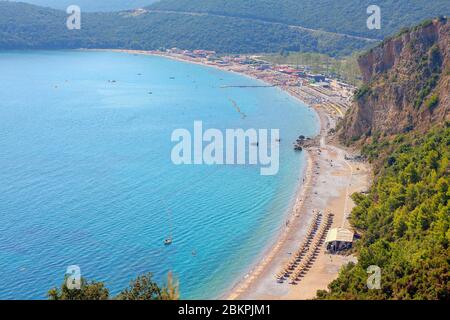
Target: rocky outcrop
[[406, 84]]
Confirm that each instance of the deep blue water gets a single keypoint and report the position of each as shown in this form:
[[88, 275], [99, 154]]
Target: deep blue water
[[86, 176]]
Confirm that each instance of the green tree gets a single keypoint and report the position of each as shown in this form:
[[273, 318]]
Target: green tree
[[404, 222], [142, 288], [171, 290], [89, 291]]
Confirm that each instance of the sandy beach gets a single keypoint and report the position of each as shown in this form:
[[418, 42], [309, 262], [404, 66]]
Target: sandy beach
[[329, 182], [326, 186]]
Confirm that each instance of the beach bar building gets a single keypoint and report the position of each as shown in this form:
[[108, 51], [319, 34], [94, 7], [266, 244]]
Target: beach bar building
[[339, 239]]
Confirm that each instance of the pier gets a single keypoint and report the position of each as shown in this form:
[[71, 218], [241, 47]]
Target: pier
[[254, 86]]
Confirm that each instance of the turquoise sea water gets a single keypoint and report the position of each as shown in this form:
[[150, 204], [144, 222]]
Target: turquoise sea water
[[86, 176]]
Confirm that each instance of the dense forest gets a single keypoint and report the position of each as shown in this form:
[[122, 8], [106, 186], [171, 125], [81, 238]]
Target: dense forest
[[91, 5], [24, 26], [347, 16], [239, 26], [404, 221]]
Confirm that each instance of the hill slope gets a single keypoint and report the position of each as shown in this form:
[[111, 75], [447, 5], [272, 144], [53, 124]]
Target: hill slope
[[238, 26], [407, 84], [26, 26], [347, 16], [404, 220], [91, 5]]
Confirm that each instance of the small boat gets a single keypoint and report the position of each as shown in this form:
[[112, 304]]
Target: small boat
[[168, 241]]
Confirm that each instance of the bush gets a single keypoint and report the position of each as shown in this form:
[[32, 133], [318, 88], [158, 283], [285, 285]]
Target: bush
[[362, 91], [432, 102]]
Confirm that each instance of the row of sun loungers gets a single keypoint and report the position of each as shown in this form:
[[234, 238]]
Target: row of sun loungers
[[298, 255], [314, 251], [304, 257]]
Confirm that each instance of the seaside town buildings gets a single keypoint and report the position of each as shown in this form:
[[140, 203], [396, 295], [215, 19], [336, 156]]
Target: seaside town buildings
[[314, 89], [291, 73]]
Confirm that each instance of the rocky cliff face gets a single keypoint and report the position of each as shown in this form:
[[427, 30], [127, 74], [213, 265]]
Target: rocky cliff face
[[406, 84]]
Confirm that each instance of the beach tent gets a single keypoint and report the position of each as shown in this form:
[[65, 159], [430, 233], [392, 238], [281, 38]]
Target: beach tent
[[339, 239]]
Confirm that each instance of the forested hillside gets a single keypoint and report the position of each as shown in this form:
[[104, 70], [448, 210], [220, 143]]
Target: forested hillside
[[404, 220], [91, 5], [347, 16], [238, 26], [24, 26]]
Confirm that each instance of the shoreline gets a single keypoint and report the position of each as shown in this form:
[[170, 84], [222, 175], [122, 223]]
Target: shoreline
[[175, 58], [314, 195], [259, 282], [273, 248]]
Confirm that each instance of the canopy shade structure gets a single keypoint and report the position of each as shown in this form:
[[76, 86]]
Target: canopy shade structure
[[339, 239], [339, 234]]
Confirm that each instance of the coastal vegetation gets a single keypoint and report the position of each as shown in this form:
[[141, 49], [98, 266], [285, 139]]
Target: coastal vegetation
[[141, 288], [155, 30], [244, 26], [362, 91], [91, 6], [429, 65], [348, 17], [90, 290], [404, 221]]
